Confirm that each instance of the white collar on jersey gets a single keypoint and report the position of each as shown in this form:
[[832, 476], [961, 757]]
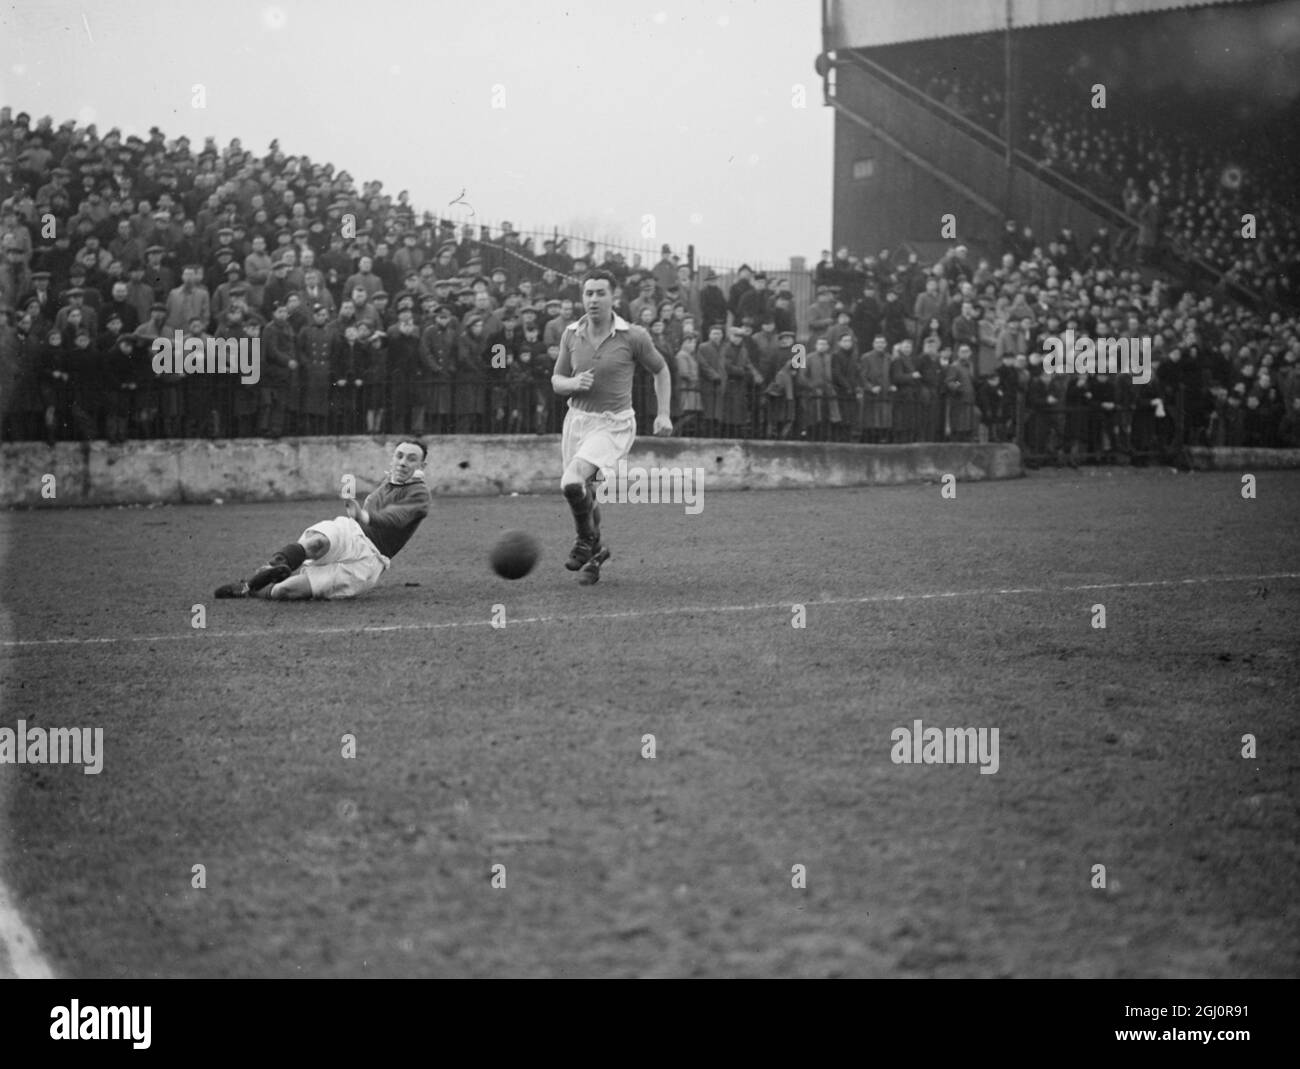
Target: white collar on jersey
[[581, 324]]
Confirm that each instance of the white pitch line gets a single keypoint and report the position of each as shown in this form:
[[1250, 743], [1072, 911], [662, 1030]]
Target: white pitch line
[[685, 610], [16, 940]]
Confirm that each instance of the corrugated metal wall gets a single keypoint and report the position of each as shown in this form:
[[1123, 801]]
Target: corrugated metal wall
[[870, 23]]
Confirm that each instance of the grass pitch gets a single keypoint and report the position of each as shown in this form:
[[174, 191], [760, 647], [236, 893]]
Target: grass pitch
[[522, 746]]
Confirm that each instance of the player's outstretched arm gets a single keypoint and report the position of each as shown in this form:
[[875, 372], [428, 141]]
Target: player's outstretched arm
[[663, 401]]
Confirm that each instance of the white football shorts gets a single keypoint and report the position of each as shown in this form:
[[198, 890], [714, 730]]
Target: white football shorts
[[600, 438], [351, 566]]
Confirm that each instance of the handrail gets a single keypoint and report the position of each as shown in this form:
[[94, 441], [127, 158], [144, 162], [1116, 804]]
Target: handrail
[[955, 117], [995, 143], [985, 205], [1054, 177]]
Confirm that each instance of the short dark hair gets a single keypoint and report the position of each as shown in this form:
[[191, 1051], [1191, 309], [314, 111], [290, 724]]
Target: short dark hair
[[413, 440], [597, 274]]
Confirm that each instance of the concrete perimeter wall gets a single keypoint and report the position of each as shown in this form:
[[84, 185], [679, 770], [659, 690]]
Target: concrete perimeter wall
[[1239, 459], [261, 470]]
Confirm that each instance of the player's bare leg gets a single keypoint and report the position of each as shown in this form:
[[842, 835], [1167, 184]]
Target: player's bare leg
[[275, 579], [578, 484]]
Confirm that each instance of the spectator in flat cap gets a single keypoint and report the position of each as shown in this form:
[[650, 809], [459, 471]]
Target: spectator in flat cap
[[446, 265], [43, 385], [76, 314], [125, 246], [406, 371], [87, 385], [218, 272], [425, 281], [755, 303], [688, 291], [411, 288], [471, 376], [381, 303], [279, 286], [410, 257], [39, 291], [307, 261], [713, 308], [279, 387], [558, 318], [335, 258], [225, 239], [222, 294], [306, 398], [296, 276], [365, 277], [160, 278], [645, 298], [189, 247], [189, 301], [783, 311], [711, 360], [550, 285], [374, 376], [390, 277], [363, 310], [664, 272], [155, 324], [314, 291], [120, 305], [257, 269], [743, 285], [440, 354]]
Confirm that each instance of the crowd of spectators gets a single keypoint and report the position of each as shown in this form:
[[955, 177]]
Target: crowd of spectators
[[373, 318], [958, 347], [369, 317], [1184, 167]]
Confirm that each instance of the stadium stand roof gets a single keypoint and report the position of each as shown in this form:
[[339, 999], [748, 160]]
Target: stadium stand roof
[[871, 23]]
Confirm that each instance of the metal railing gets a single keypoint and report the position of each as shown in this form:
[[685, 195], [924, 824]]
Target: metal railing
[[488, 236], [1060, 434], [1137, 430], [1124, 225], [1150, 428], [991, 170]]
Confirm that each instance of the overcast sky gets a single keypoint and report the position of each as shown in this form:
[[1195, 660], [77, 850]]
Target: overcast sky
[[611, 110]]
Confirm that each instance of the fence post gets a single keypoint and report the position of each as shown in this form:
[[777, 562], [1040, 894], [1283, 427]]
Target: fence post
[[1180, 425]]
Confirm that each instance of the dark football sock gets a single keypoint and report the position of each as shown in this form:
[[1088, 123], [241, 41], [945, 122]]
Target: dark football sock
[[293, 555], [581, 502]]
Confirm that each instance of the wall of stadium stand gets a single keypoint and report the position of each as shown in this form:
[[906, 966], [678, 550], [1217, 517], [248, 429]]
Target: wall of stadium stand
[[177, 472], [142, 472]]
